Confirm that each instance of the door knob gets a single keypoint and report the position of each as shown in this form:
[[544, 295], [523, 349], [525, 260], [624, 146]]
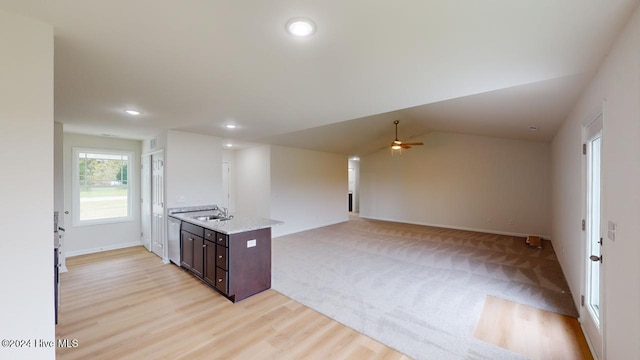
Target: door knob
[[596, 258]]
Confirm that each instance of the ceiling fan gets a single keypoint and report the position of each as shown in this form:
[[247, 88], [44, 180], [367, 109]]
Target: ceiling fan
[[397, 144]]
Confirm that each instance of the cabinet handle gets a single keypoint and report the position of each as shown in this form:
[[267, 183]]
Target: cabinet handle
[[219, 280], [219, 256], [190, 239], [204, 246]]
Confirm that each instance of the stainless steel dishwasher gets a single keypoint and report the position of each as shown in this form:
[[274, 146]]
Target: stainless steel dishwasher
[[173, 240]]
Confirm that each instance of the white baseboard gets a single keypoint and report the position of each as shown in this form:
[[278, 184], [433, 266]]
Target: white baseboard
[[102, 248], [488, 231], [305, 229]]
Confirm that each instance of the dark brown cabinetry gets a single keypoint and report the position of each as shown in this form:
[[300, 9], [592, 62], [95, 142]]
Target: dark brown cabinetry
[[209, 266], [248, 263], [237, 265], [198, 256], [192, 248], [186, 250]]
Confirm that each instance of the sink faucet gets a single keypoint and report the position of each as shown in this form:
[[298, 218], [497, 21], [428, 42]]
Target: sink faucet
[[224, 211]]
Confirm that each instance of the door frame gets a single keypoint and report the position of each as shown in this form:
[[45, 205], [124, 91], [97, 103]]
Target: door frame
[[165, 254], [588, 327], [145, 200]]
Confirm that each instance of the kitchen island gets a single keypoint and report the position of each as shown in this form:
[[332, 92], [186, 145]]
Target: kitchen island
[[232, 255]]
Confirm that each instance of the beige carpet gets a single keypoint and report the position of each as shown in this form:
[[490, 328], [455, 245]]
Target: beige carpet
[[418, 289]]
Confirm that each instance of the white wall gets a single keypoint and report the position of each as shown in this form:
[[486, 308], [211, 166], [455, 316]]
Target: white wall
[[309, 189], [101, 237], [229, 156], [193, 172], [26, 155], [253, 182], [161, 143], [461, 181], [617, 84]]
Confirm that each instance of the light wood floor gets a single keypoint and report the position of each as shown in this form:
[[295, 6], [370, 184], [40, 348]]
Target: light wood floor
[[126, 304], [534, 333]]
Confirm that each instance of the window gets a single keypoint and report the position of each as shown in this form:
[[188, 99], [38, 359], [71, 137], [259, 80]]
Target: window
[[102, 186]]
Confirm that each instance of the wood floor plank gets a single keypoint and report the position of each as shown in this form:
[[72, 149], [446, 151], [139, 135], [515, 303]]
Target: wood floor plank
[[535, 333], [127, 304]]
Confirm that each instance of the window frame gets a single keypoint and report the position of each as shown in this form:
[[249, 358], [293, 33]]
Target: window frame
[[75, 186]]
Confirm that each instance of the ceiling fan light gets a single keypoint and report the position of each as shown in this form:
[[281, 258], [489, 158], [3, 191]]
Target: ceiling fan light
[[396, 146]]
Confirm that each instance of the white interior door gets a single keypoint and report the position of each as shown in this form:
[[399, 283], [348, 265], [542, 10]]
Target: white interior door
[[157, 204], [145, 211], [591, 314]]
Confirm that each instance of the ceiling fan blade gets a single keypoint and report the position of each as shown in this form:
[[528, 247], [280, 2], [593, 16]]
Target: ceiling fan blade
[[397, 144]]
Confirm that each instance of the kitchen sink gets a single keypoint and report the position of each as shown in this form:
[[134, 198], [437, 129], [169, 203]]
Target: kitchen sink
[[212, 218]]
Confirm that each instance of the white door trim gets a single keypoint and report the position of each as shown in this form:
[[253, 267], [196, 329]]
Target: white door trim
[[594, 333]]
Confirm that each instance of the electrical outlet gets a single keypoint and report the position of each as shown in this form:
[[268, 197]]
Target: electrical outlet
[[251, 243], [611, 230]]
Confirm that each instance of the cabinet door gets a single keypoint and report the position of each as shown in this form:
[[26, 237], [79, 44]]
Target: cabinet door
[[210, 262], [198, 256], [186, 250]]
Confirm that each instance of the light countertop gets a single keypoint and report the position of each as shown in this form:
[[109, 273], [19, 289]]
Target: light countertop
[[232, 226]]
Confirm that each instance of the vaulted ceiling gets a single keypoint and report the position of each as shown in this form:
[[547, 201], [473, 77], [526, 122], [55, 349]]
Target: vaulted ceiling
[[489, 67]]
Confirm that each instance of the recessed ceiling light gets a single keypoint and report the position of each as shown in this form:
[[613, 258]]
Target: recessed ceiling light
[[228, 145], [533, 128], [300, 27], [230, 126], [133, 112]]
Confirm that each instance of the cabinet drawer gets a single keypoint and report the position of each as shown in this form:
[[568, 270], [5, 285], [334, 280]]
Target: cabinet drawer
[[222, 253], [209, 235], [194, 229], [223, 239], [221, 280]]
